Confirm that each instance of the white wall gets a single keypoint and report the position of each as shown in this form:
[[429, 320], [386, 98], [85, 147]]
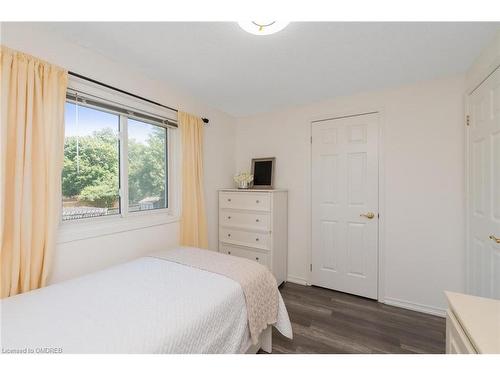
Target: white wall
[[423, 164], [79, 257]]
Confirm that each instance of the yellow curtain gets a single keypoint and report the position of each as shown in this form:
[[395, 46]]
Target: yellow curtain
[[193, 217], [32, 100]]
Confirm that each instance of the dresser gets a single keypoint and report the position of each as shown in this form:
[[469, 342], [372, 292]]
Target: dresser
[[253, 224], [472, 324]]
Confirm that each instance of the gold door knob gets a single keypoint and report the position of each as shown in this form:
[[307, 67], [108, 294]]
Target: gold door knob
[[497, 240], [368, 215]]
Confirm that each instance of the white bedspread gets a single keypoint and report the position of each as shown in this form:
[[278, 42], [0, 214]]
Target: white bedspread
[[145, 306]]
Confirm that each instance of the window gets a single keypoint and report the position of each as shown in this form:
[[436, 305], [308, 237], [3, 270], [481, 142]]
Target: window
[[90, 177], [147, 166], [100, 170]]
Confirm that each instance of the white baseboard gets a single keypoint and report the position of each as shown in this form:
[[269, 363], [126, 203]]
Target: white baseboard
[[296, 280], [415, 306]]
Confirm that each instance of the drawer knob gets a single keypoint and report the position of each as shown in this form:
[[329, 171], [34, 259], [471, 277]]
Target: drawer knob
[[257, 239], [257, 220], [229, 217], [229, 234], [229, 252], [257, 259], [229, 199], [257, 201]]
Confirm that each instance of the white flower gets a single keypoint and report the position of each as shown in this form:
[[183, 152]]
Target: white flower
[[243, 177]]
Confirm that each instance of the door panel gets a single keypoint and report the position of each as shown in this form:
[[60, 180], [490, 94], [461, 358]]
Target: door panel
[[475, 264], [356, 249], [356, 170], [479, 186], [483, 266], [329, 240], [495, 181], [329, 170], [345, 186], [496, 275]]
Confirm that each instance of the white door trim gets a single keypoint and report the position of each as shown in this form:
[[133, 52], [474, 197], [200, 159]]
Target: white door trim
[[467, 268], [381, 189]]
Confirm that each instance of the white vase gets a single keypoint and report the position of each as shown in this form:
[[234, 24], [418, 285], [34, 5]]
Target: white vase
[[243, 185]]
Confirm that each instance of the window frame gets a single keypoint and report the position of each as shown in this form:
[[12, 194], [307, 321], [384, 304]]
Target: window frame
[[71, 230]]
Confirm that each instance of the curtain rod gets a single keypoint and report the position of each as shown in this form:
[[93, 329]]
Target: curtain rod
[[205, 120]]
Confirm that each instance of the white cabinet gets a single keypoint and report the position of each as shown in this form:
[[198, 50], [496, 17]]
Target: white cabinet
[[253, 224], [472, 324]]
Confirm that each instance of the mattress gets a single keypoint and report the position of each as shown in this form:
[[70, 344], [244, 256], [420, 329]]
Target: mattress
[[148, 305]]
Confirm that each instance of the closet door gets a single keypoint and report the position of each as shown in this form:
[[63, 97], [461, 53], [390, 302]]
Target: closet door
[[345, 204], [483, 261]]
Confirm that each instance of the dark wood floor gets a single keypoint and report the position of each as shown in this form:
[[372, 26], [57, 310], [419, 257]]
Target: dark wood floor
[[326, 321]]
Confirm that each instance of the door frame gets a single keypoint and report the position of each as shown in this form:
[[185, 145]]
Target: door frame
[[381, 279]]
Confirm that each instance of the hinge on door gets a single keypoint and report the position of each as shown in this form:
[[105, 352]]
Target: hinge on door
[[467, 120], [311, 267], [311, 139]]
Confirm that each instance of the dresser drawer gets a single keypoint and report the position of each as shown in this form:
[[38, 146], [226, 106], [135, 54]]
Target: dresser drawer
[[244, 238], [245, 201], [245, 219], [255, 255]]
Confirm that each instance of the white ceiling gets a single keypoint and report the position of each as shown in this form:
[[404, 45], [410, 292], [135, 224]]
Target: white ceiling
[[244, 74]]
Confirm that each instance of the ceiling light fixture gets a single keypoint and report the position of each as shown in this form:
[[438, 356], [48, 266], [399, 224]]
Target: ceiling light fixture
[[262, 28]]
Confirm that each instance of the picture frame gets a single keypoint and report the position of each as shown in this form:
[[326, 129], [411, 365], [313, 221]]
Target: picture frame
[[263, 173]]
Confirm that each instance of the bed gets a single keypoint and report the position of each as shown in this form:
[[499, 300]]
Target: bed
[[149, 305]]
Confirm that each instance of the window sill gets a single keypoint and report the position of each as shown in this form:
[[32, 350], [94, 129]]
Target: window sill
[[76, 231]]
